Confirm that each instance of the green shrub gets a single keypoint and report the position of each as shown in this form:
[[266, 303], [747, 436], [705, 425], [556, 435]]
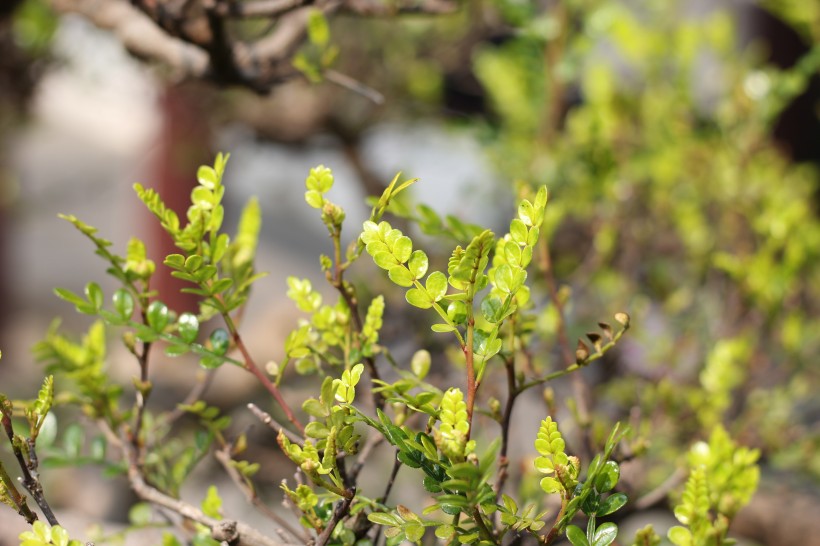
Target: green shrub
[[485, 299]]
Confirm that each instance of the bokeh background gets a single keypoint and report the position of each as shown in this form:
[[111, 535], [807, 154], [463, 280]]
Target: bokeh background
[[680, 142]]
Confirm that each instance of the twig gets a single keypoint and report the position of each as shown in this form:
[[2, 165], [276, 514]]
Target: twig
[[251, 366], [143, 392], [655, 496], [351, 84], [336, 279], [196, 392], [224, 457], [380, 9], [30, 480], [392, 480], [236, 533], [339, 512], [372, 441], [512, 394], [579, 386], [272, 423], [18, 499]]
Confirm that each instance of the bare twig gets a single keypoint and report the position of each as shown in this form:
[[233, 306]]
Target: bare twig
[[579, 387], [252, 367], [379, 8], [658, 494], [224, 457], [272, 423], [236, 533], [203, 383]]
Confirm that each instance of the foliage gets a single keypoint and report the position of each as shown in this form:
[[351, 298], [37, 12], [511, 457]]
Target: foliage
[[483, 302], [664, 201], [674, 201]]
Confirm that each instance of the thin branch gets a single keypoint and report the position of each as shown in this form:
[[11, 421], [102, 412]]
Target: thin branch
[[339, 512], [658, 494], [579, 387], [143, 391], [260, 8], [224, 457], [272, 423], [372, 441], [236, 533], [18, 499], [196, 392], [30, 480], [392, 480], [251, 366], [378, 8], [512, 394], [354, 85]]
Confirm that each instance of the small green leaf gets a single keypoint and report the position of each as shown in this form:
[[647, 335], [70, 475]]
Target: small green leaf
[[418, 263], [212, 504], [188, 327], [69, 296], [413, 531], [318, 29], [551, 485], [210, 362], [442, 327], [445, 531], [123, 303], [314, 199], [175, 261], [59, 536], [680, 536], [526, 213], [140, 514], [221, 285], [605, 534], [94, 294], [73, 441], [608, 477], [193, 263], [420, 363], [504, 278], [400, 275], [385, 260], [518, 232], [383, 518], [492, 308], [418, 298], [402, 248], [436, 285], [176, 350], [157, 316], [207, 177], [576, 536], [220, 341], [202, 198], [611, 504]]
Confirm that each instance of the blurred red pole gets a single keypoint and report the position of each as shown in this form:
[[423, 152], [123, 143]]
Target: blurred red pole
[[184, 143]]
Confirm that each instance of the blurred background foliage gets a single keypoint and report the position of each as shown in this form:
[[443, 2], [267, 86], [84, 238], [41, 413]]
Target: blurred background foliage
[[684, 186]]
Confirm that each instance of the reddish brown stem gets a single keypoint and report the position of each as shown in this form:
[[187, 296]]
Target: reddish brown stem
[[251, 366], [471, 382]]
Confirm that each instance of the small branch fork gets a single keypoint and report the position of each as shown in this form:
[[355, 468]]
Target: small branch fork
[[191, 37], [30, 479]]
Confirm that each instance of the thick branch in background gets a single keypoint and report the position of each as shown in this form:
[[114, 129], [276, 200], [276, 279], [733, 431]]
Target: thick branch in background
[[197, 39]]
